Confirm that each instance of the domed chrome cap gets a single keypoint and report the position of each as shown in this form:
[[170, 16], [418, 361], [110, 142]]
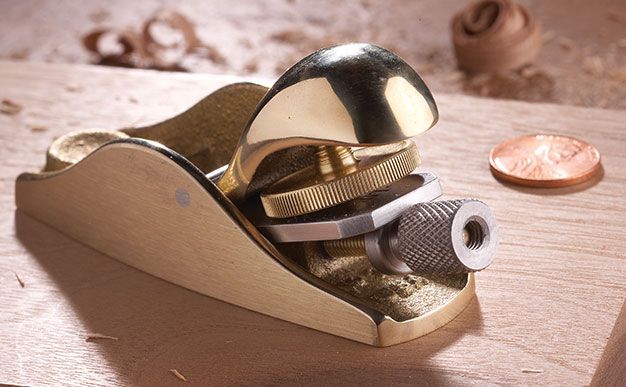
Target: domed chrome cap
[[354, 94]]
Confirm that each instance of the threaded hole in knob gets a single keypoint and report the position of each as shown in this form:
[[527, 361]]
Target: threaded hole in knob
[[473, 235]]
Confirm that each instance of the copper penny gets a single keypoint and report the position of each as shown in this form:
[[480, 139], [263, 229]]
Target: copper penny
[[544, 160]]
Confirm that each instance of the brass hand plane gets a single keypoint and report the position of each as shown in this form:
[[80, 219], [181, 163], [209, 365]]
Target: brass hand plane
[[304, 201]]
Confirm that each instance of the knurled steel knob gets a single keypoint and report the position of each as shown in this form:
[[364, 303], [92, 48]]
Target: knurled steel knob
[[433, 238]]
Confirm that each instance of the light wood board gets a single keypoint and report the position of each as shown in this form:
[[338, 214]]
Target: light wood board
[[549, 303]]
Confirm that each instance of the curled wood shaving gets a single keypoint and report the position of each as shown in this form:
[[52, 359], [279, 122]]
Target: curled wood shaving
[[147, 48], [19, 280], [10, 107], [175, 21], [531, 371], [100, 336], [178, 374], [494, 36]]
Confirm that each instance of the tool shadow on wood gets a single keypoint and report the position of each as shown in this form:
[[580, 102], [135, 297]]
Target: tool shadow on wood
[[125, 203], [351, 244], [159, 324]]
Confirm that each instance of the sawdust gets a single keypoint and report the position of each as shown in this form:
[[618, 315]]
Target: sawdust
[[100, 336], [527, 84], [251, 67], [20, 54], [566, 43], [618, 75], [178, 375], [548, 36], [38, 128], [73, 88], [289, 36], [10, 107], [99, 15], [401, 297], [531, 371], [593, 65], [19, 280], [616, 17]]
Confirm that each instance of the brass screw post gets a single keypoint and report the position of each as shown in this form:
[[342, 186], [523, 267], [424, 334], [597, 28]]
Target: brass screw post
[[338, 175], [355, 246], [349, 247], [334, 161]]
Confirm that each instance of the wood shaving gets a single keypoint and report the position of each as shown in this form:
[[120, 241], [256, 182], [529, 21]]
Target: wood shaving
[[10, 107], [528, 84], [38, 129], [99, 15], [529, 71], [619, 75], [566, 43], [178, 374], [73, 88], [616, 17], [593, 65], [251, 67], [100, 336], [427, 68], [291, 36], [147, 48], [211, 53], [548, 36], [20, 54], [19, 280], [531, 371], [455, 76]]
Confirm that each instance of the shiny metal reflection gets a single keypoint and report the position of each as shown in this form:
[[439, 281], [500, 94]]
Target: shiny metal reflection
[[355, 94]]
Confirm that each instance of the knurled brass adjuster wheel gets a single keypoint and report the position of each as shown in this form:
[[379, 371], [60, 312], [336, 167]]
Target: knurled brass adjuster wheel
[[339, 175]]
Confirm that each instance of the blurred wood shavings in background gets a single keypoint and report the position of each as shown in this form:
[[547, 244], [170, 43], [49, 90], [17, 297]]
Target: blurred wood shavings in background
[[582, 60], [161, 43], [526, 84]]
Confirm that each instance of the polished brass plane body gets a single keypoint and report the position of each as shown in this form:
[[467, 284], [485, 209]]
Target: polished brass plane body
[[160, 198]]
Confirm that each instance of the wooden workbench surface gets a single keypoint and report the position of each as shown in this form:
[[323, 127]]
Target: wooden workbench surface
[[545, 309]]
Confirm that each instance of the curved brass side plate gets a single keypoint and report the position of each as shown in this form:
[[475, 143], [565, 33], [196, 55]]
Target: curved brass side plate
[[149, 207]]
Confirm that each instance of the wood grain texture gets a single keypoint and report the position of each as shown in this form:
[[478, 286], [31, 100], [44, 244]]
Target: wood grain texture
[[549, 302], [612, 368]]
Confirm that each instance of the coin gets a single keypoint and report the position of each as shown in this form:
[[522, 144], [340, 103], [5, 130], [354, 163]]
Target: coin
[[544, 160]]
